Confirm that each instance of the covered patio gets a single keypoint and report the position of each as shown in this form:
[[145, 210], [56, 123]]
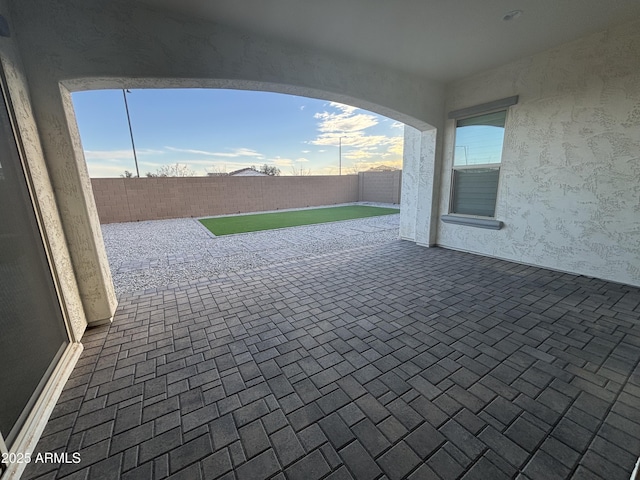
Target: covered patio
[[386, 361]]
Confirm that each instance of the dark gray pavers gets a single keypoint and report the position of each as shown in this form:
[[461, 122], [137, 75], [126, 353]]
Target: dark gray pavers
[[393, 361]]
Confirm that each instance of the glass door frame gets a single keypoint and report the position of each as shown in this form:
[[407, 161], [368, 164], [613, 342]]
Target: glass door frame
[[3, 450], [39, 409]]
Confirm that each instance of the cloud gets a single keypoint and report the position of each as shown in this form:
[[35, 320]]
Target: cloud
[[344, 120], [153, 164], [151, 160], [227, 167], [280, 162], [202, 167], [364, 146], [366, 165], [117, 155], [329, 170], [192, 151], [109, 155], [234, 153], [348, 126], [188, 161], [397, 146], [113, 163], [285, 162], [102, 170], [348, 109], [357, 141]]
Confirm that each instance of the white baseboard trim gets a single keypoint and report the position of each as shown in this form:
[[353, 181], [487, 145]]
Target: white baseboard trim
[[37, 420]]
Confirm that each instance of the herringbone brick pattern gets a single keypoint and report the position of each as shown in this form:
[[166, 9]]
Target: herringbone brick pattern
[[392, 361]]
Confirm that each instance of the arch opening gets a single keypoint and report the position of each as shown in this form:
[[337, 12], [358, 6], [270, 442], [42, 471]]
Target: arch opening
[[334, 122]]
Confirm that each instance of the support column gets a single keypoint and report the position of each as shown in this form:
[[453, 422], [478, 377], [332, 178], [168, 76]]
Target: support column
[[69, 175], [420, 186]]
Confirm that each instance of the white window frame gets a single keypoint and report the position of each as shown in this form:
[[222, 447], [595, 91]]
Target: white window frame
[[479, 166], [470, 112]]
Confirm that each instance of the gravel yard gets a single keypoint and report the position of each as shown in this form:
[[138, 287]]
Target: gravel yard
[[162, 253]]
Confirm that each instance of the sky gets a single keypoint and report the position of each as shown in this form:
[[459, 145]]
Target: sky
[[478, 145], [213, 130]]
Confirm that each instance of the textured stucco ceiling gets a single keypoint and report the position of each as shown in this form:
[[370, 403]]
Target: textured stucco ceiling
[[440, 39]]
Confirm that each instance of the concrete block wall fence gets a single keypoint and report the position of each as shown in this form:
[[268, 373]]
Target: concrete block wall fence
[[137, 199], [383, 187]]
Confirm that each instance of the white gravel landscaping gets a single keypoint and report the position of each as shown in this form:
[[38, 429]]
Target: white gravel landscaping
[[161, 253]]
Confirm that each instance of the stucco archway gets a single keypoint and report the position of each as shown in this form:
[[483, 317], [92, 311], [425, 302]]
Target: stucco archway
[[419, 140]]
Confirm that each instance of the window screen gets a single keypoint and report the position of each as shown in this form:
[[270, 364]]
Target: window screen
[[475, 191]]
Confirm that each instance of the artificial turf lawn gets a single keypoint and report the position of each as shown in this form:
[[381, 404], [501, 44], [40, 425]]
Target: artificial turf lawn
[[268, 221]]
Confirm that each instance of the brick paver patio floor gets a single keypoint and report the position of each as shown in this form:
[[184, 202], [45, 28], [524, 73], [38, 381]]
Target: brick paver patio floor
[[390, 361]]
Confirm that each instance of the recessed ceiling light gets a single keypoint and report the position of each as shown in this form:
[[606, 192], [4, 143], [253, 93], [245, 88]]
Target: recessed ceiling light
[[512, 15]]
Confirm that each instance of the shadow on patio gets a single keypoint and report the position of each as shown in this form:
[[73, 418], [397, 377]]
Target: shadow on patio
[[388, 361]]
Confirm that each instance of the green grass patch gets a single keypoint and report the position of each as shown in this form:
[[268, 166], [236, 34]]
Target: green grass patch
[[269, 221]]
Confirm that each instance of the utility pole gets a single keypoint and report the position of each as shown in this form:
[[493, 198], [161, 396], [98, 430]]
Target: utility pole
[[340, 156], [133, 145]]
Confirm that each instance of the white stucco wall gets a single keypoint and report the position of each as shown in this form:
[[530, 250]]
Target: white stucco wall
[[569, 192], [410, 177], [420, 186]]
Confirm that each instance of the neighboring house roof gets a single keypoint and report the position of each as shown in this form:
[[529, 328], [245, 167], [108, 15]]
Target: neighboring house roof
[[247, 172]]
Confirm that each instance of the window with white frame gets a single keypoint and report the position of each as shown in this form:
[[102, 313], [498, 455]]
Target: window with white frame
[[476, 164]]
